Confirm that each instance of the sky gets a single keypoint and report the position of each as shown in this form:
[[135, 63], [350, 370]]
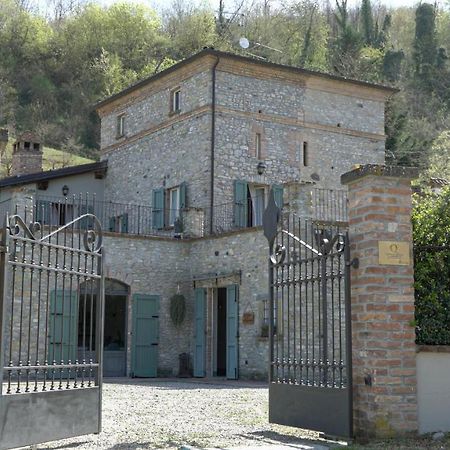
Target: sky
[[161, 4]]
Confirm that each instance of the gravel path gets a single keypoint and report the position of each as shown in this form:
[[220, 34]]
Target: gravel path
[[144, 414]]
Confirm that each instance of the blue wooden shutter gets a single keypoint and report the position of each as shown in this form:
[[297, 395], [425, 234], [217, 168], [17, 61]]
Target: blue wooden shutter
[[158, 208], [232, 332], [144, 349], [112, 224], [63, 326], [183, 203], [240, 204], [124, 223], [278, 195], [43, 208], [200, 341]]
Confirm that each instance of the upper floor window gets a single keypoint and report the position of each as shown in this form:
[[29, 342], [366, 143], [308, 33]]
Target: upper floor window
[[175, 100], [258, 146], [305, 155], [250, 202], [121, 125], [174, 205]]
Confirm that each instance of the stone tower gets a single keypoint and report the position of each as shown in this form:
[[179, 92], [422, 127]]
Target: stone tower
[[27, 155]]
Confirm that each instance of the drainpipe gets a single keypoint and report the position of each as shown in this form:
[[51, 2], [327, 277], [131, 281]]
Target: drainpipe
[[213, 139]]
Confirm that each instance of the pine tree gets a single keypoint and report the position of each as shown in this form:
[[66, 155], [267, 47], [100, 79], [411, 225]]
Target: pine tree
[[367, 22], [425, 43]]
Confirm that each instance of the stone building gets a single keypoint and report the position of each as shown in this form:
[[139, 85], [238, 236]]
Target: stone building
[[188, 158]]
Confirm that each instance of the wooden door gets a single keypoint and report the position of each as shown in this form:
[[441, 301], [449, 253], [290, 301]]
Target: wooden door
[[144, 360]]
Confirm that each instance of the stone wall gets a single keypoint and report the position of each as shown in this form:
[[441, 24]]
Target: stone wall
[[155, 109], [154, 266], [163, 159], [160, 149]]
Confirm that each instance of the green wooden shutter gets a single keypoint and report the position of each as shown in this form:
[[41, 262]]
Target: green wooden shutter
[[63, 326], [124, 223], [278, 195], [43, 209], [158, 209], [144, 349], [240, 204], [183, 203], [112, 224], [232, 332], [200, 340]]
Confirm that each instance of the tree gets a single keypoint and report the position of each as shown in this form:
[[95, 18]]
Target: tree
[[425, 44], [367, 22]]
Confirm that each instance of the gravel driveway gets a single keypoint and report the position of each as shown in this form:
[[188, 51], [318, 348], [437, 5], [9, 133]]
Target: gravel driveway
[[143, 414]]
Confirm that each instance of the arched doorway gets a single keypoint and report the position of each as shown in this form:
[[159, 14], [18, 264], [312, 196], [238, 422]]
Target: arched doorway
[[115, 324]]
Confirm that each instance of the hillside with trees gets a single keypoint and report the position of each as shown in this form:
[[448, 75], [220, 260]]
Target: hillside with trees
[[54, 67]]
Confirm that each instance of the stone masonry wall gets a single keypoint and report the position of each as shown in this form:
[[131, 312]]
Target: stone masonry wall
[[154, 110], [154, 266], [163, 159]]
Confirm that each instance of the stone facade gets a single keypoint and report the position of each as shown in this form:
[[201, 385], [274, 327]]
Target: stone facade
[[338, 123], [342, 125], [311, 128]]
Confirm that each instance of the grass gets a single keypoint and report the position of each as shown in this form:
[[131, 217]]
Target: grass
[[52, 159]]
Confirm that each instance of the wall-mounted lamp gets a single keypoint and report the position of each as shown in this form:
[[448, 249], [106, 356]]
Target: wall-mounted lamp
[[261, 167], [65, 190]]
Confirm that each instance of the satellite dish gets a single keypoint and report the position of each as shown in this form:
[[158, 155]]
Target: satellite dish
[[243, 42]]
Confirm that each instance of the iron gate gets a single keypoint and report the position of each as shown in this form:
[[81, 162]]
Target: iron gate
[[310, 374], [51, 330]]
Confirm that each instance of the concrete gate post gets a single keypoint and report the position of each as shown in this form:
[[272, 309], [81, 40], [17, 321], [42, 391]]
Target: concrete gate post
[[382, 298]]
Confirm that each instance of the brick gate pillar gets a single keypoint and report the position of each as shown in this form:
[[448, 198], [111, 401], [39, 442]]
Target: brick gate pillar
[[382, 298]]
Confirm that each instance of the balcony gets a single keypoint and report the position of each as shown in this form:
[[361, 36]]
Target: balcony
[[144, 220]]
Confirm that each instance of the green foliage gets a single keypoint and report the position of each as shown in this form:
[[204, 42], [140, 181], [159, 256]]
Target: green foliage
[[54, 69], [431, 230], [425, 43]]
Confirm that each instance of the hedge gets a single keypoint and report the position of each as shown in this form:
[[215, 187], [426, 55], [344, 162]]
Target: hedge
[[431, 233]]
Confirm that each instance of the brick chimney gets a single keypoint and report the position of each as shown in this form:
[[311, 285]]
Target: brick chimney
[[27, 155]]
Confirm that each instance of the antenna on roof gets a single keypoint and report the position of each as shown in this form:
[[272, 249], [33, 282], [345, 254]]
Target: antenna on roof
[[244, 43]]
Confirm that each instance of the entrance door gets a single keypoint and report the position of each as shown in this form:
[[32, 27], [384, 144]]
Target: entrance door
[[114, 354], [221, 332], [144, 360]]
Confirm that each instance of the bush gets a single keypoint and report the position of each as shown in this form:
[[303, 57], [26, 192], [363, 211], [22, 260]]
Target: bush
[[431, 232]]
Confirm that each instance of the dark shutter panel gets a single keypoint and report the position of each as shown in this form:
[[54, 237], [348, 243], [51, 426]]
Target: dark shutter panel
[[158, 208], [183, 203], [43, 209], [240, 204], [112, 224], [124, 223], [278, 195]]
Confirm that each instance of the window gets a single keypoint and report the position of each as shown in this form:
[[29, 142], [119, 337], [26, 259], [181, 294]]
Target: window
[[174, 205], [175, 101], [168, 205], [121, 125], [258, 148], [258, 200], [250, 203], [305, 154]]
